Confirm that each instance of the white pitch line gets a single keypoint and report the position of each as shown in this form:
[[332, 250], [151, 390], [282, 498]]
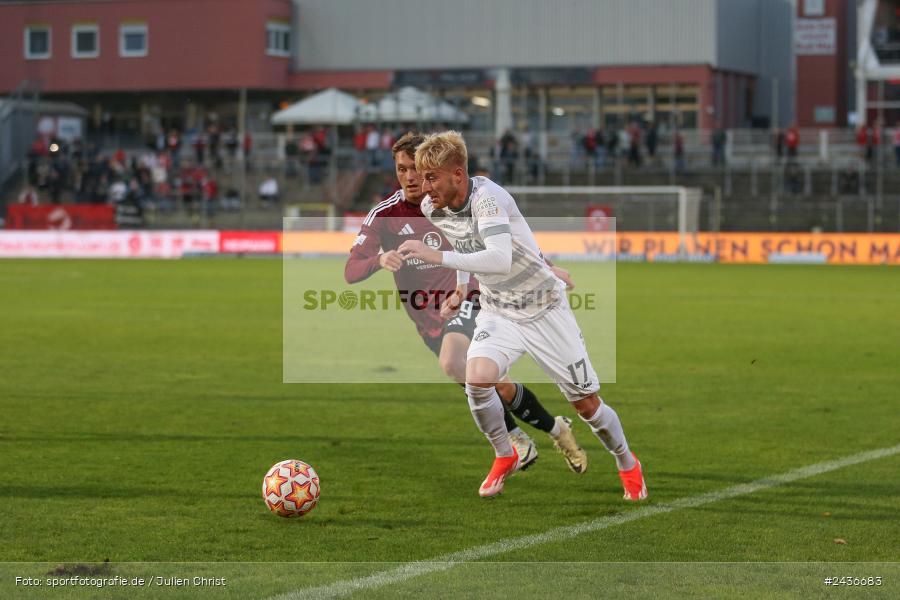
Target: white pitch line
[[340, 589]]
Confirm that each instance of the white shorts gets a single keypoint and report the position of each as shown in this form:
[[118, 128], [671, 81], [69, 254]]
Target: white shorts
[[554, 341]]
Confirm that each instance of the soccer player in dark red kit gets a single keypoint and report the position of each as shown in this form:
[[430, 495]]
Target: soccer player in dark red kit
[[399, 218]]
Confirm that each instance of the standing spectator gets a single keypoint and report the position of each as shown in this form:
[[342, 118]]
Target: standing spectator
[[678, 149], [577, 147], [778, 140], [600, 144], [200, 147], [373, 139], [509, 153], [873, 140], [867, 138], [231, 142], [247, 145], [651, 141], [624, 142], [792, 142], [359, 147], [532, 156], [291, 155], [214, 139], [718, 146], [589, 141], [634, 144], [897, 144], [173, 145], [321, 155], [386, 142], [210, 193], [612, 143]]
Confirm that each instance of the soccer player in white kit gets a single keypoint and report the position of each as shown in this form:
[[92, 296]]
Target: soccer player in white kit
[[524, 306]]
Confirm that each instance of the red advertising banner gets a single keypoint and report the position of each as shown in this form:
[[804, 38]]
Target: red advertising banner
[[63, 217], [107, 244], [250, 242]]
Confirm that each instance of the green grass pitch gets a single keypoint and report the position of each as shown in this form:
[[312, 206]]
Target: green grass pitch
[[141, 403]]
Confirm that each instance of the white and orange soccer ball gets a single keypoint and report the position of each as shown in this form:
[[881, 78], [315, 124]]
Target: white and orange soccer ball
[[291, 488]]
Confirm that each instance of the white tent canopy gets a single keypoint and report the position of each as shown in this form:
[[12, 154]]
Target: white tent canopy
[[328, 107], [411, 105]]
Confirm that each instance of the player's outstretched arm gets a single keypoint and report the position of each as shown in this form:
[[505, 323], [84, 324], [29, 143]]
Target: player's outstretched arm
[[365, 257], [495, 258]]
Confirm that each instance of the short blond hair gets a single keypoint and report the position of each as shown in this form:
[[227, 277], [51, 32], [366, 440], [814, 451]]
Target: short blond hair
[[439, 150]]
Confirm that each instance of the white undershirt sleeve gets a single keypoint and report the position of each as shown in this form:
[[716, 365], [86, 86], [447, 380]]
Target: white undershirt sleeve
[[496, 258], [462, 278]]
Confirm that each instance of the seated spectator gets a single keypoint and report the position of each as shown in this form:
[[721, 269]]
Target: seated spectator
[[231, 200], [117, 191], [29, 196], [268, 191]]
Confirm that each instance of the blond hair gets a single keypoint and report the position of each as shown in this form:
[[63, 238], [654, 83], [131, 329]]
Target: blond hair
[[445, 149]]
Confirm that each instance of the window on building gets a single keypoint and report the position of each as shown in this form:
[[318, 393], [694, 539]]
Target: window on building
[[85, 41], [133, 40], [666, 105], [571, 108], [278, 38], [37, 42]]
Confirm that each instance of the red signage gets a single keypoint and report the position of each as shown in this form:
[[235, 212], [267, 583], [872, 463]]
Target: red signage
[[597, 217], [250, 242], [61, 217]]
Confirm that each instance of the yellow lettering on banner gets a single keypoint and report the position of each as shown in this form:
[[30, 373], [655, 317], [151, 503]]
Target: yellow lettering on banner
[[731, 247]]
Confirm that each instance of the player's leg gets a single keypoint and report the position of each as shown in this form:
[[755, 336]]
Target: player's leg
[[555, 343], [524, 404], [494, 348], [605, 424], [521, 441], [452, 358]]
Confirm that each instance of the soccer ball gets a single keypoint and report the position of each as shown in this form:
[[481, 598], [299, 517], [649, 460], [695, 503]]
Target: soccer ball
[[291, 488]]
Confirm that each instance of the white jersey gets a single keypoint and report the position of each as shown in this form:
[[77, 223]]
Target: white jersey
[[530, 288]]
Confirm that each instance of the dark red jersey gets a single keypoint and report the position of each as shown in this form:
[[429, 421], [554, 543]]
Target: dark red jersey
[[389, 224]]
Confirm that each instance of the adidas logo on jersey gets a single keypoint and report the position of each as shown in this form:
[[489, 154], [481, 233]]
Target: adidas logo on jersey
[[482, 335], [406, 230]]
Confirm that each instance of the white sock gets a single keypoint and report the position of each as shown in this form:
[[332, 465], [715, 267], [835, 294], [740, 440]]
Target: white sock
[[554, 433], [487, 410], [516, 431], [606, 426]]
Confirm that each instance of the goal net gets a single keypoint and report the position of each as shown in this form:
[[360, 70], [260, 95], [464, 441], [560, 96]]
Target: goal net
[[674, 209]]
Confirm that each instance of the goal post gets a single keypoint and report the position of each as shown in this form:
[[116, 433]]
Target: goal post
[[635, 208], [311, 215]]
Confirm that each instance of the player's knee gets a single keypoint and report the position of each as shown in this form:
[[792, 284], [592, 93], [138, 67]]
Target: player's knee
[[587, 406], [482, 372]]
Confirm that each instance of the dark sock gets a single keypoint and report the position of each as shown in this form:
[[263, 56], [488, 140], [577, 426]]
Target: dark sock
[[508, 418], [526, 406]]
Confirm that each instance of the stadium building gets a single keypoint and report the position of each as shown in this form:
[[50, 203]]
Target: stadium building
[[142, 64]]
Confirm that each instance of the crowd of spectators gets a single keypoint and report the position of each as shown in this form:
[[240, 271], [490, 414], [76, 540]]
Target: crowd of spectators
[[156, 178]]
